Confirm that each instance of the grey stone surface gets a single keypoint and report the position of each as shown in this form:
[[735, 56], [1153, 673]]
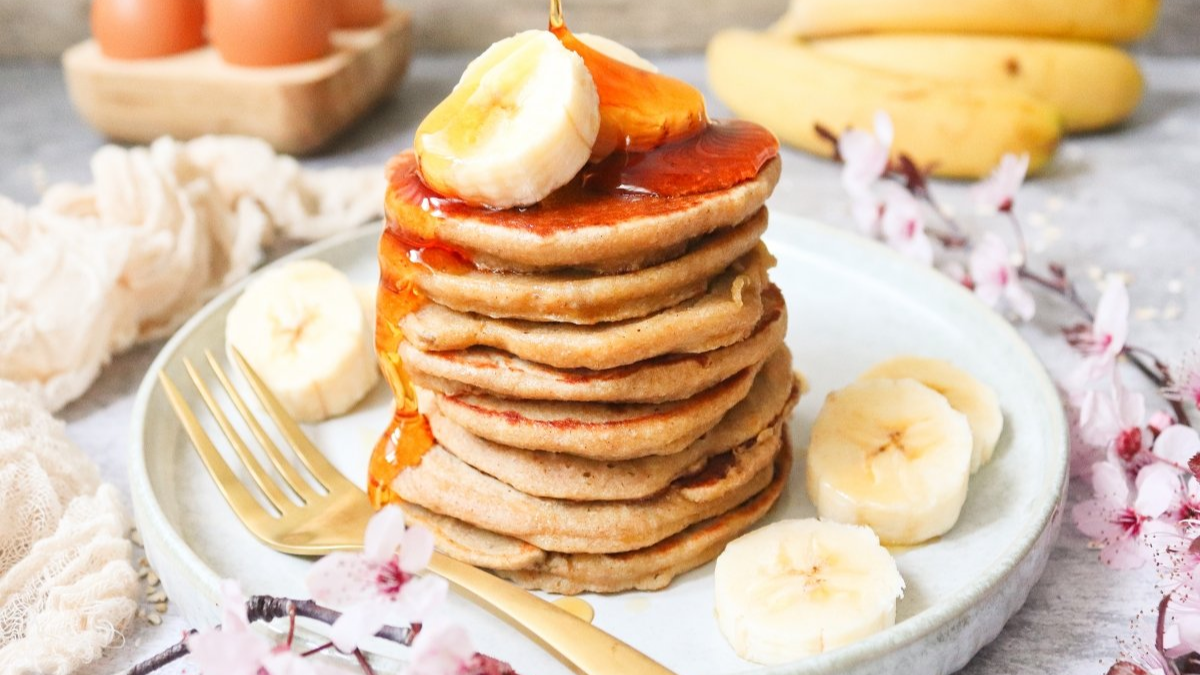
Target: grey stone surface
[[1125, 201]]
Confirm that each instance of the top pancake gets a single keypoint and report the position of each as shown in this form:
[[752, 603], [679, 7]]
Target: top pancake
[[498, 239]]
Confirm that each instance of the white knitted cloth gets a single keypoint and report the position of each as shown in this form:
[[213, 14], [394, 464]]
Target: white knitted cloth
[[95, 268], [66, 585]]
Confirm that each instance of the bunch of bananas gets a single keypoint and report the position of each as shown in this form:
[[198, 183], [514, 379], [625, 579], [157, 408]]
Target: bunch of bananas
[[964, 81]]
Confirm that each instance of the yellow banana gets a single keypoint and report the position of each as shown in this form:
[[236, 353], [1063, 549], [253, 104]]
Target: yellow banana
[[961, 130], [1093, 85], [1108, 20]]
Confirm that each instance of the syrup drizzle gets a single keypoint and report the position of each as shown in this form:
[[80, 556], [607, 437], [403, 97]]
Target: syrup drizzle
[[408, 436], [639, 110]]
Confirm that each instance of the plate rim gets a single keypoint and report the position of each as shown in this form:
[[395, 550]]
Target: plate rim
[[902, 634]]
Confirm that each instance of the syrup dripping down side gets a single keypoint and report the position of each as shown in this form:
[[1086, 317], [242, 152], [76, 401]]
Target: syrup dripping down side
[[408, 436]]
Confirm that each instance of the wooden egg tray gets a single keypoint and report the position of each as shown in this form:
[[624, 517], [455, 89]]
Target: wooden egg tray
[[296, 108]]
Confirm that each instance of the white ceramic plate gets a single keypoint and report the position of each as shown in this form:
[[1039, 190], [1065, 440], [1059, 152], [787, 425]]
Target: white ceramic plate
[[852, 303]]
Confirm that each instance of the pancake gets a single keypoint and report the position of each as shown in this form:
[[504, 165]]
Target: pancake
[[469, 543], [562, 476], [646, 569], [652, 568], [575, 297], [665, 378], [610, 431], [726, 314], [502, 240], [444, 484]]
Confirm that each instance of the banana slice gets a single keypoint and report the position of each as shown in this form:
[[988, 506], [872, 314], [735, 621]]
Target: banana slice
[[965, 394], [892, 455], [302, 329], [520, 123], [801, 587], [615, 50]]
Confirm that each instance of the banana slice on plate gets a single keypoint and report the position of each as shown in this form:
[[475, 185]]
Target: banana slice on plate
[[892, 455], [800, 587], [519, 124], [963, 391], [301, 327]]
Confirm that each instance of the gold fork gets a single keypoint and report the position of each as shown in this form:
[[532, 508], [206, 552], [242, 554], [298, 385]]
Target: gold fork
[[335, 520]]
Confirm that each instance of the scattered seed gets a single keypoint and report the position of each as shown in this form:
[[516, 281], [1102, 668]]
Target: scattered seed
[[160, 607], [1146, 313], [1054, 204], [154, 618], [1037, 219], [1095, 273], [1171, 312], [152, 579]]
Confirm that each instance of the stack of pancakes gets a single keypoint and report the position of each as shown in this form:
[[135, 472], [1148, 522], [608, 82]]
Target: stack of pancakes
[[609, 400]]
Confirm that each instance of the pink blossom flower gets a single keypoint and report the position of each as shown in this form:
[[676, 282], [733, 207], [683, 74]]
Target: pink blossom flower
[[1182, 634], [1174, 555], [1186, 508], [1177, 444], [997, 191], [903, 227], [1159, 421], [865, 155], [1084, 454], [1147, 661], [1105, 341], [1113, 420], [233, 648], [996, 279], [441, 650], [1117, 520], [868, 214], [378, 586], [1186, 388], [958, 272]]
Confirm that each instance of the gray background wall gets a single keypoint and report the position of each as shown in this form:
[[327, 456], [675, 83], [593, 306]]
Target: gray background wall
[[45, 27]]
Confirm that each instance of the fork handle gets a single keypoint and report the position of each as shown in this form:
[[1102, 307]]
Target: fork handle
[[579, 644]]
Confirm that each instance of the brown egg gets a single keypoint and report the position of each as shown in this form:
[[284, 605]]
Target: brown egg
[[144, 29], [359, 13], [270, 32]]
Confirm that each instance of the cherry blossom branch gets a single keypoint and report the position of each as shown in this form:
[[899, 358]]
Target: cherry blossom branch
[[904, 172], [162, 659], [267, 608]]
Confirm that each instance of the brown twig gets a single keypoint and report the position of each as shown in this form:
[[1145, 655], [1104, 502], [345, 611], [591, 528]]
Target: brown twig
[[267, 608], [362, 662], [162, 659]]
